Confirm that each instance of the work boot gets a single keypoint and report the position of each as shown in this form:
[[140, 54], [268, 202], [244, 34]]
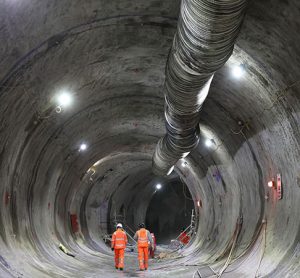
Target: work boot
[[121, 268], [141, 269], [117, 267]]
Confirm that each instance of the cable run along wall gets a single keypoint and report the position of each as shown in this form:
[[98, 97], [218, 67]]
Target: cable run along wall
[[204, 41]]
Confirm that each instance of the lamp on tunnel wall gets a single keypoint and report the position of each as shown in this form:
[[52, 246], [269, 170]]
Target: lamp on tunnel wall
[[83, 147], [271, 183], [158, 186], [238, 71], [209, 143], [63, 100]]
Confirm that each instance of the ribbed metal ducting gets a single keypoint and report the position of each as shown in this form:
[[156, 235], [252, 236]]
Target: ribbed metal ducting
[[204, 41]]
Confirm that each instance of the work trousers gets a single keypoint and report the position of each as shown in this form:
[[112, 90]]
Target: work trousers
[[143, 257], [119, 258]]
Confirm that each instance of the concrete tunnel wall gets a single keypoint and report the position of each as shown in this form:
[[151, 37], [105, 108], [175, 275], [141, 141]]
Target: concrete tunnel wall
[[111, 55]]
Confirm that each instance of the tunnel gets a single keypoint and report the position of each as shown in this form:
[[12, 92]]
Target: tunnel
[[82, 102], [170, 211]]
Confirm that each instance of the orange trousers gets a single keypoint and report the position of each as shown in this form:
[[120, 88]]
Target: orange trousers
[[119, 258], [143, 255]]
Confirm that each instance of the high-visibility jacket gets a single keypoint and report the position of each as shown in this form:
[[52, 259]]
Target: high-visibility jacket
[[119, 239], [143, 240]]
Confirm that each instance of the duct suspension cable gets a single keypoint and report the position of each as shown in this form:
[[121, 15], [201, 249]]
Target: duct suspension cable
[[204, 41]]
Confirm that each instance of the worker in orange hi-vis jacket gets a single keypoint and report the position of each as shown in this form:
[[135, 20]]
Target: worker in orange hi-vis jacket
[[118, 244], [144, 239]]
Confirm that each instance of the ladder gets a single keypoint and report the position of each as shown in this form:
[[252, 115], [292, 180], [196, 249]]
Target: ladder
[[193, 223]]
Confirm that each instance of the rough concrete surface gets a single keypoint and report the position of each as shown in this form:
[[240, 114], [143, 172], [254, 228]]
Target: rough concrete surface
[[111, 56]]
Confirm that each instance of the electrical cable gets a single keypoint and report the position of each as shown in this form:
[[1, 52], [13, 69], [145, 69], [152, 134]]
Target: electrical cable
[[246, 257], [233, 240], [236, 234]]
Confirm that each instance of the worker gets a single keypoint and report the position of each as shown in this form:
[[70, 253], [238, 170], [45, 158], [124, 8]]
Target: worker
[[153, 247], [184, 238], [144, 239], [118, 244]]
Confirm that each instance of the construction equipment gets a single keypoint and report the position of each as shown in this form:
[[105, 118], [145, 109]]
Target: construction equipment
[[188, 232]]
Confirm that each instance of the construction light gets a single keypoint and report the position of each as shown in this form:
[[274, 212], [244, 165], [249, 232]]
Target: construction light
[[83, 147], [158, 186], [271, 184], [64, 99], [209, 143], [198, 204], [238, 71]]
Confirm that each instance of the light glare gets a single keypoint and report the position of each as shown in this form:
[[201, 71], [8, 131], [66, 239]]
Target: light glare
[[64, 99], [238, 71], [208, 143], [158, 186], [83, 147], [270, 184]]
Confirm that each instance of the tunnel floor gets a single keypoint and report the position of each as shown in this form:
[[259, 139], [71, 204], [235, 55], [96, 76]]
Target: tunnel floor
[[97, 266], [175, 264]]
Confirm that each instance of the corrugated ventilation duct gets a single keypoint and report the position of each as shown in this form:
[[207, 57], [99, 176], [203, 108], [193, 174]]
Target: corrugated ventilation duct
[[204, 41]]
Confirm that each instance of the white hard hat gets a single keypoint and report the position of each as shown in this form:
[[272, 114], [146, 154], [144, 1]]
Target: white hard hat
[[119, 225]]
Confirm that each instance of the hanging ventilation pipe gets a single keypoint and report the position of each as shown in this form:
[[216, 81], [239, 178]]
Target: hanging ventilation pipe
[[204, 41]]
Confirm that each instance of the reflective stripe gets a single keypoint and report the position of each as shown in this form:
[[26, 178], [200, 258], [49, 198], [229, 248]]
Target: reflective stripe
[[119, 239]]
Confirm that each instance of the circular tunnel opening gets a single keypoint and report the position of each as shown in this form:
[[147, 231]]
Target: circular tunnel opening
[[111, 57], [165, 205], [169, 211]]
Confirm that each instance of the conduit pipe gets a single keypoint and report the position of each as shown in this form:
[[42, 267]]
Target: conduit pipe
[[204, 41]]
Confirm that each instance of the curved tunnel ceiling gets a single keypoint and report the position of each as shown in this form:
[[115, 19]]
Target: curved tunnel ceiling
[[111, 56]]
